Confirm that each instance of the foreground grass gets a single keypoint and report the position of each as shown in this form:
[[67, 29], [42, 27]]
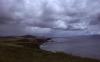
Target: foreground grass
[[15, 52]]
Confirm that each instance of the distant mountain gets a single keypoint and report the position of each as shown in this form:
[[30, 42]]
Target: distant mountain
[[7, 36], [24, 36], [28, 36], [88, 37], [95, 36]]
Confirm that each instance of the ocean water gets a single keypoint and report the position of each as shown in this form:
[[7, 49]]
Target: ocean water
[[84, 46]]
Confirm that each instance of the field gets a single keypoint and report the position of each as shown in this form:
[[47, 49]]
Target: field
[[21, 49]]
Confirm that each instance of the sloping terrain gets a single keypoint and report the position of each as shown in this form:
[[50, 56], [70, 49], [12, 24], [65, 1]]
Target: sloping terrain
[[22, 49]]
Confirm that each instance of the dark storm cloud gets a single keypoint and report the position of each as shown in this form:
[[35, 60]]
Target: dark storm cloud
[[52, 16], [5, 19], [95, 19]]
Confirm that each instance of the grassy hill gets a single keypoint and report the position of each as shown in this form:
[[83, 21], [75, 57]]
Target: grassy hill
[[23, 49]]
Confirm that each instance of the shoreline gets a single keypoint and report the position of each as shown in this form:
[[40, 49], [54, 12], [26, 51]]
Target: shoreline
[[46, 47], [28, 49], [70, 54]]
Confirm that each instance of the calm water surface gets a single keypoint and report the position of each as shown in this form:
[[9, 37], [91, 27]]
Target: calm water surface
[[79, 46]]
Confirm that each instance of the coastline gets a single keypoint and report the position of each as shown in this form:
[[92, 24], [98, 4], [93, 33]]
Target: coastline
[[28, 50]]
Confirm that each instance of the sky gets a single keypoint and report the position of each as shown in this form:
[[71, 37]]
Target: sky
[[49, 17]]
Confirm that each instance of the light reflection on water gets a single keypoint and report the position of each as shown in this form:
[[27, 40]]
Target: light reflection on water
[[80, 46]]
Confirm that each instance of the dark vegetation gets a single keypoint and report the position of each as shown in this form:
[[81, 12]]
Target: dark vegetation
[[26, 49]]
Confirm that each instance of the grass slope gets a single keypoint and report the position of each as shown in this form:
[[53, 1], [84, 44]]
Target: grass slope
[[20, 50]]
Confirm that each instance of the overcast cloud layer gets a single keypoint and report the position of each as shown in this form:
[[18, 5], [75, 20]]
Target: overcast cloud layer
[[49, 17]]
